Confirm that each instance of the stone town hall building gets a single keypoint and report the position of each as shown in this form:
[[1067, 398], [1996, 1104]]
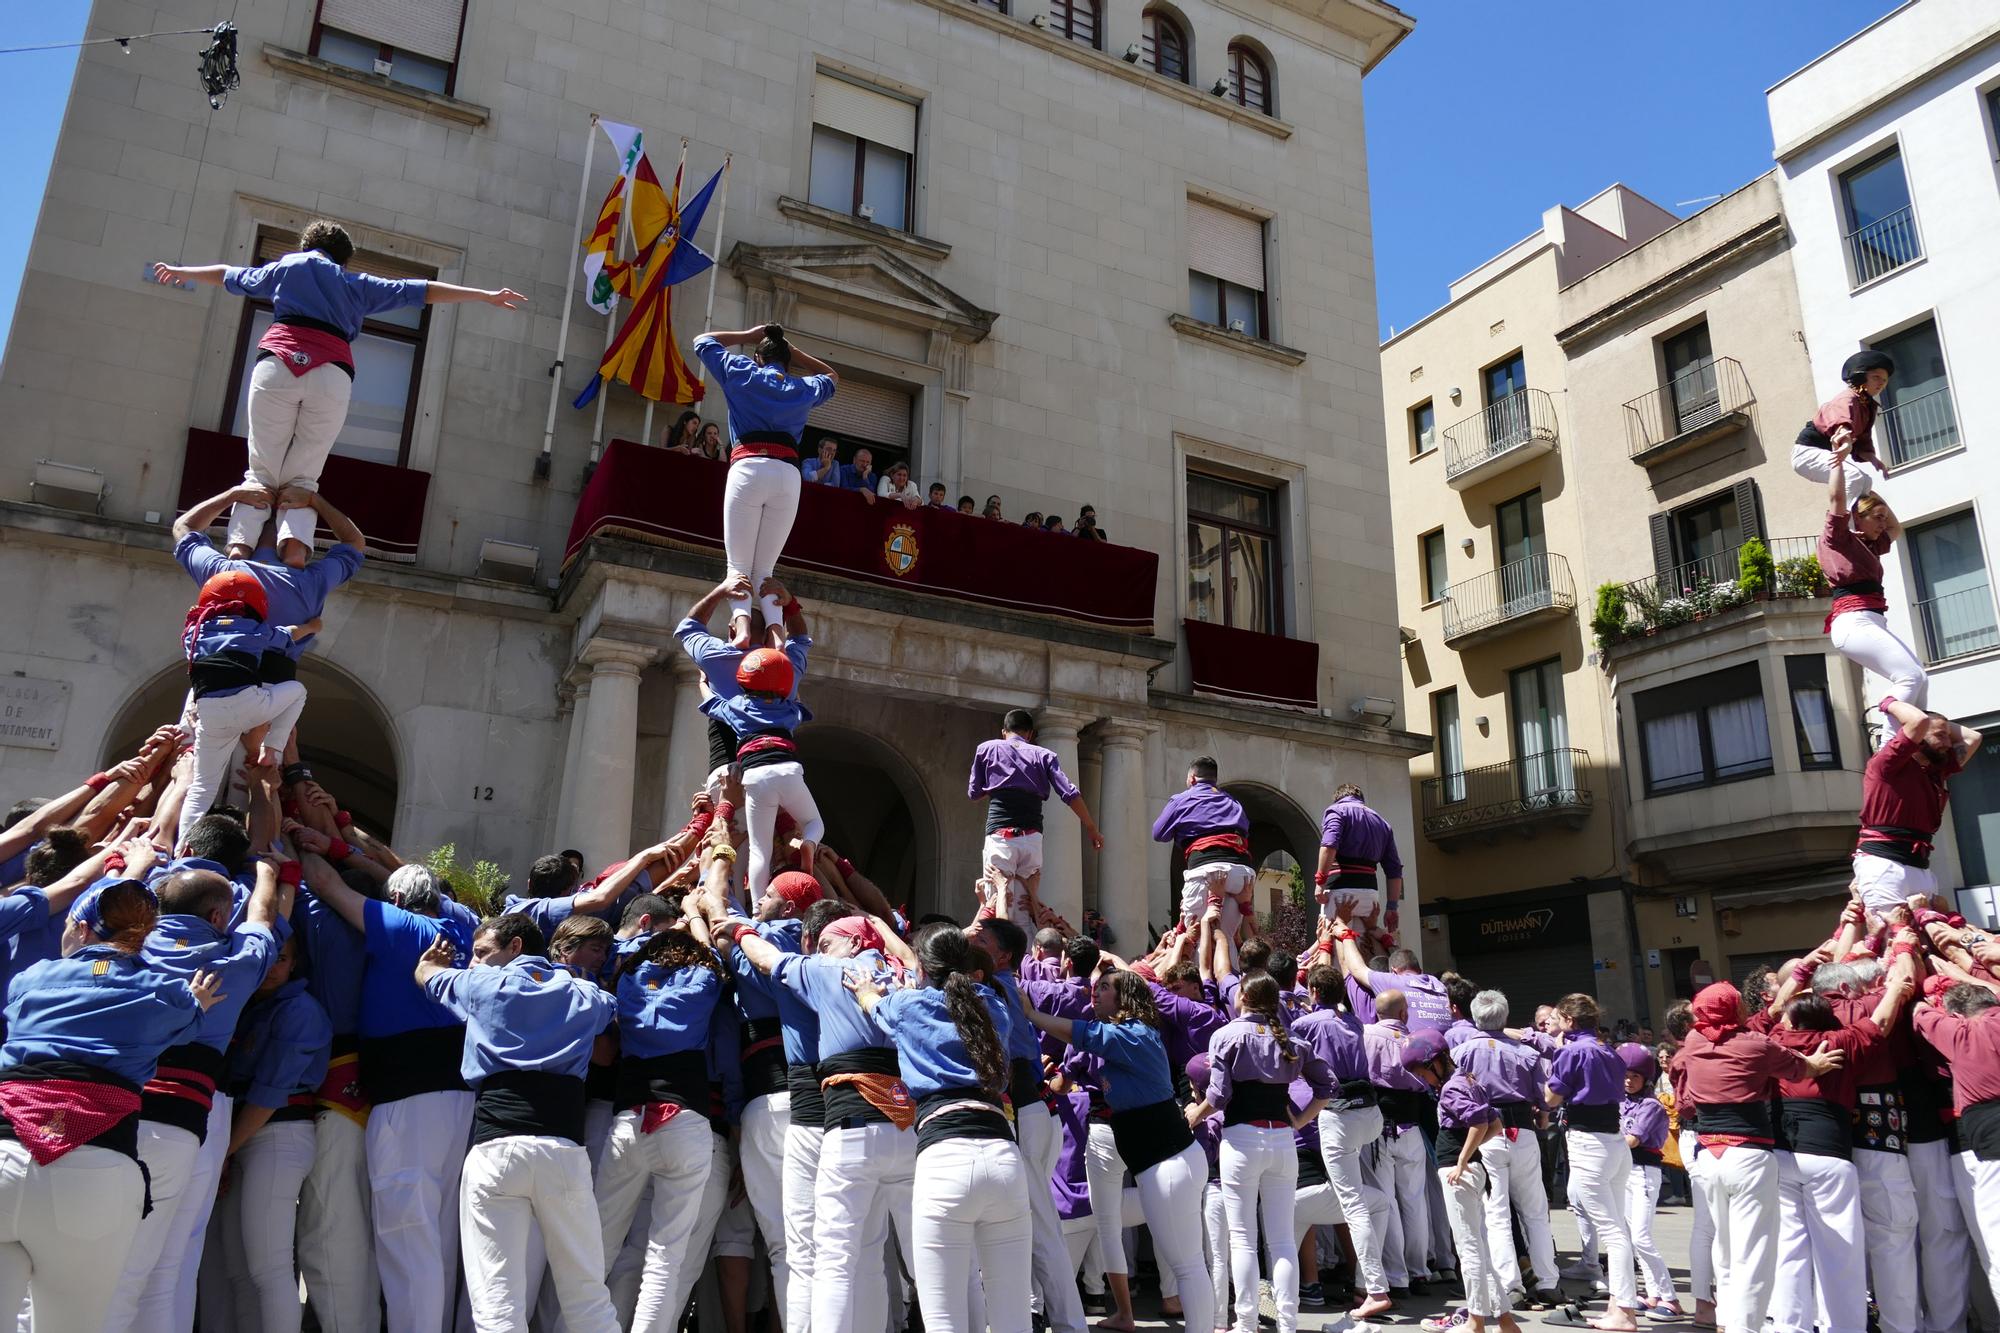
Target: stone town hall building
[[1062, 251]]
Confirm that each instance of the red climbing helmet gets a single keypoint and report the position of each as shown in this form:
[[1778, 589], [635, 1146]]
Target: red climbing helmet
[[765, 671]]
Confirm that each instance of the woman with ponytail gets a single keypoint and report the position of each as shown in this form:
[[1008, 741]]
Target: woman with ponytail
[[970, 1203], [1252, 1061], [768, 406]]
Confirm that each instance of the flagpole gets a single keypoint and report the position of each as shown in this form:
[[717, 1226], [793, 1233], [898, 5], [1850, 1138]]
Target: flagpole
[[646, 431], [611, 321], [721, 212], [543, 461]]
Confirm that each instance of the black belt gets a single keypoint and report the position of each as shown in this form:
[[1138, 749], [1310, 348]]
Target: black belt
[[1601, 1118], [528, 1102], [1254, 1101], [680, 1079]]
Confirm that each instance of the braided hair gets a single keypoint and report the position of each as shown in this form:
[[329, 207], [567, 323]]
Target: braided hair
[[1259, 996], [947, 959]]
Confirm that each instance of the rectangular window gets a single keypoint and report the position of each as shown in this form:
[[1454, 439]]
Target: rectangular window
[[1507, 422], [1226, 277], [411, 41], [388, 363], [1450, 745], [1975, 814], [1234, 563], [1918, 418], [1437, 575], [1701, 732], [1993, 116], [1541, 729], [1691, 387], [1812, 712], [1881, 225], [864, 146], [1954, 610], [1423, 429]]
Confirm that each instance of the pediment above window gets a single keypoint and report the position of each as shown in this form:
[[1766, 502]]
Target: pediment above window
[[862, 279]]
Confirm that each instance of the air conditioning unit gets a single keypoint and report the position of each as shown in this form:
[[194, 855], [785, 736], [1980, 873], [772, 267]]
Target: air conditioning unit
[[67, 486], [510, 562]]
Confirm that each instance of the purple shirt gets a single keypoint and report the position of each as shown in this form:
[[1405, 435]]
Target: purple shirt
[[1245, 1050], [1063, 999], [1069, 1186], [1429, 1006], [1645, 1120], [1336, 1039], [1383, 1043], [1509, 1071], [1041, 969], [1198, 810], [1463, 1104], [1304, 1095], [1010, 763], [1186, 1025], [1584, 1073], [1357, 833]]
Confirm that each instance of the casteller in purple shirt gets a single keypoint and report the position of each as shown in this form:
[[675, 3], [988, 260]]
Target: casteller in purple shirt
[[1583, 1071], [1351, 835], [1198, 810], [1015, 776], [1425, 994]]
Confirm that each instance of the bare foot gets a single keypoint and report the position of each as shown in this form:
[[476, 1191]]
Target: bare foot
[[1616, 1320], [1377, 1303], [739, 634], [1116, 1325]]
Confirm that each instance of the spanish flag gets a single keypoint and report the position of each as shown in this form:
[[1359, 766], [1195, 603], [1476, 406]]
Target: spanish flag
[[645, 355]]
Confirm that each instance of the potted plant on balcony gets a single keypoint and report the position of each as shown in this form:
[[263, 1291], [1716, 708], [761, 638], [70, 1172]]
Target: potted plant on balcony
[[1800, 576], [1677, 610], [1608, 619], [1754, 569]]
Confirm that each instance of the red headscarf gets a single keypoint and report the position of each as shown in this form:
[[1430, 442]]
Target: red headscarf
[[857, 928], [798, 889], [1718, 1011]]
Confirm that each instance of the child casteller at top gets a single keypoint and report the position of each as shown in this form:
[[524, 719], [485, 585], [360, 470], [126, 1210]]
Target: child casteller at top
[[305, 367], [1847, 418]]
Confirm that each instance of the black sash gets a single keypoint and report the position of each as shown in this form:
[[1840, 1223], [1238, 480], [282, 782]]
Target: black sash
[[1881, 1120], [1312, 1167], [1746, 1119], [192, 1066], [1648, 1157], [680, 1079], [1253, 1101], [1024, 1082], [1516, 1115], [1904, 846], [1149, 1135], [1601, 1118], [1814, 1127], [1811, 437], [412, 1063], [934, 1126], [845, 1105], [1979, 1130], [1858, 588], [122, 1137], [1404, 1106], [1012, 808], [763, 1045], [528, 1103], [1356, 1094], [808, 1102], [229, 670]]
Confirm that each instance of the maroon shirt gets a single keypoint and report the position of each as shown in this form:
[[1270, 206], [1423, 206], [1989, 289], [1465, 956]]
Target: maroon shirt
[[1897, 791], [1744, 1067], [1846, 557], [1877, 1063], [1839, 1086], [1971, 1046], [1856, 411]]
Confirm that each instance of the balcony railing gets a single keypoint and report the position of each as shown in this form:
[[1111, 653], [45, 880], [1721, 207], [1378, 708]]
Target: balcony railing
[[1516, 794], [1919, 427], [1687, 409], [1957, 624], [1527, 587], [1523, 417], [1884, 245], [1714, 583]]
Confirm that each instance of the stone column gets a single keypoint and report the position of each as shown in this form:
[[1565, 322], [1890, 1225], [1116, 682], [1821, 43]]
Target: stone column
[[601, 814], [1062, 835], [1121, 866], [687, 749], [579, 705]]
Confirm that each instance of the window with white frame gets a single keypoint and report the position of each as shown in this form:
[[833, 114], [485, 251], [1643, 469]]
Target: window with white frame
[[864, 148]]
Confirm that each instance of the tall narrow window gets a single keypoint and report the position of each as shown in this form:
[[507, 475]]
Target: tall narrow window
[[1436, 574], [1164, 45], [1812, 711], [1226, 268], [1975, 814], [1541, 729], [1423, 429], [1077, 20], [1234, 565], [1507, 420], [863, 147], [1881, 225], [1450, 745], [1249, 83], [1954, 611], [1690, 365]]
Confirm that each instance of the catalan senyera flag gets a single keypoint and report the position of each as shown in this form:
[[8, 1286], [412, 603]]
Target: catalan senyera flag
[[645, 354], [604, 273]]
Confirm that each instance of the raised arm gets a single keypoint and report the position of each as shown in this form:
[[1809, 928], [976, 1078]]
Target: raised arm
[[1836, 485], [344, 529], [714, 597], [446, 293], [209, 275], [1059, 1028], [331, 889], [203, 516]]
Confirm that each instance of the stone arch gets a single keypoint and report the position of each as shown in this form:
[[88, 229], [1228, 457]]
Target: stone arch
[[877, 811], [1277, 825]]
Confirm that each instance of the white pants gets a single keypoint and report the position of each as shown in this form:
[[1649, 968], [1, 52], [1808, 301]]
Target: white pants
[[1701, 1243], [169, 1154], [1642, 1196], [511, 1191], [219, 724], [1379, 1173], [1864, 638], [1410, 1168], [1365, 901], [1465, 1205], [862, 1194], [1344, 1136], [1514, 1176], [1170, 1193], [1742, 1189], [674, 1162], [1260, 1176], [802, 1148], [1886, 885], [767, 789], [64, 1229], [294, 420], [1979, 1195], [762, 1153], [1944, 1242], [1315, 1206], [969, 1217], [1224, 880], [1019, 858], [1889, 1229], [1055, 1276], [260, 1217], [759, 502], [416, 1149], [199, 1207], [1817, 465], [336, 1237], [1104, 1174], [1215, 1230], [1599, 1165], [1821, 1263]]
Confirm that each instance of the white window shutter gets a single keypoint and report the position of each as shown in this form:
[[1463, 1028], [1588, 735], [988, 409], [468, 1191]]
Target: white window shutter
[[424, 27], [866, 411], [1225, 244], [865, 113]]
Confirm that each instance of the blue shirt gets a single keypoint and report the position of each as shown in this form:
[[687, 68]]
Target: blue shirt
[[821, 983], [666, 1013], [282, 1047], [101, 1007], [528, 1014], [181, 945], [308, 283], [800, 1023], [293, 596], [336, 958], [831, 474], [244, 635], [391, 1001], [1134, 1057], [932, 1054], [762, 398], [32, 933], [727, 702]]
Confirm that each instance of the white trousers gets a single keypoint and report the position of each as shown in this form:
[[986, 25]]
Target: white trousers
[[1055, 1275], [294, 420], [1315, 1206], [511, 1191], [1465, 1205], [1817, 465], [1742, 1189], [177, 1278], [219, 724], [1019, 858], [767, 789], [1260, 1177], [336, 1237], [1886, 885], [969, 1216], [1410, 1167], [1170, 1193], [64, 1228], [761, 1150], [1701, 1244], [169, 1154], [1215, 1230], [862, 1193], [1864, 638], [1104, 1175], [416, 1149], [1224, 880], [1344, 1137], [1642, 1197], [674, 1162], [1944, 1242], [759, 502], [1978, 1186], [1379, 1174], [1821, 1263], [802, 1148], [260, 1217], [1599, 1165], [1514, 1175], [1889, 1229]]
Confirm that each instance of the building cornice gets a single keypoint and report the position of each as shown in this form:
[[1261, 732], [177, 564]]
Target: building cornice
[[1289, 724], [1768, 231], [1826, 129]]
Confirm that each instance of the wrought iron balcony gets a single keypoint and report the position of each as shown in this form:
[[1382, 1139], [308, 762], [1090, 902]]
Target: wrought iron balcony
[[1518, 427], [1521, 794], [1916, 428], [1521, 592], [1884, 245], [1701, 403], [1713, 584], [1957, 624]]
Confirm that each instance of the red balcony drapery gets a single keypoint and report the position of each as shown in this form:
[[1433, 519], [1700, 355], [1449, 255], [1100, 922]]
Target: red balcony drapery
[[1249, 667], [385, 502]]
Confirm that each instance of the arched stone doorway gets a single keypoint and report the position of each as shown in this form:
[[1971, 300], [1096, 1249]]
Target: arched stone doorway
[[876, 811], [345, 736], [1281, 834]]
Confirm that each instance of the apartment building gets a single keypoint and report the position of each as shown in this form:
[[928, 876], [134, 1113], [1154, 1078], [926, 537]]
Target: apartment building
[[1061, 251], [1886, 149]]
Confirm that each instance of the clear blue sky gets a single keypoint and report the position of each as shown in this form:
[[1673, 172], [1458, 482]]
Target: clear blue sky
[[1495, 110], [1492, 111]]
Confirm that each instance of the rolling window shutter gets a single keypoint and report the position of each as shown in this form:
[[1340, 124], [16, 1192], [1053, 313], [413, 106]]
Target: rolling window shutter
[[1225, 244], [427, 27], [866, 411], [865, 113], [276, 245], [1748, 521], [1663, 545]]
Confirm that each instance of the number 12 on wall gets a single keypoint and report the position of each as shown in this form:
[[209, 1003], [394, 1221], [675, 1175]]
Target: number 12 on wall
[[482, 793]]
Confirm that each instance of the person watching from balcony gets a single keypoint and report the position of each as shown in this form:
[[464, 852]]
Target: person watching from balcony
[[967, 505], [1851, 547], [898, 486], [861, 475], [1086, 525], [1903, 795], [304, 376], [1053, 523], [992, 509], [939, 497], [1847, 418], [684, 435], [296, 594], [711, 441], [1033, 520], [825, 467]]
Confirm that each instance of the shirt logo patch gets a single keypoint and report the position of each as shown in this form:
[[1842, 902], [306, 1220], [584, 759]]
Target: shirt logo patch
[[99, 968], [899, 552]]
